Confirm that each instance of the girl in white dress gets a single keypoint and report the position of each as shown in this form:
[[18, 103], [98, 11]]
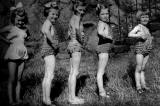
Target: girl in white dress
[[15, 55]]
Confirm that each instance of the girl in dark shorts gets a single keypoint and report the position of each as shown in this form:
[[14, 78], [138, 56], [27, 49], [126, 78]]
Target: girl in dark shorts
[[48, 50], [142, 49], [104, 46]]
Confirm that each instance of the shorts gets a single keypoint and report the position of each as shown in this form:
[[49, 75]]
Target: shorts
[[47, 49], [74, 46], [104, 48], [143, 48]]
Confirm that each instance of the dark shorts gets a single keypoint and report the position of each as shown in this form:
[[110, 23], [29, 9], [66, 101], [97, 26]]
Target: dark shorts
[[104, 44], [104, 48]]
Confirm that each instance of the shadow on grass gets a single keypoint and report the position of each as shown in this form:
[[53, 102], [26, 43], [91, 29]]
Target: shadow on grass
[[59, 83], [105, 80], [81, 83], [130, 73]]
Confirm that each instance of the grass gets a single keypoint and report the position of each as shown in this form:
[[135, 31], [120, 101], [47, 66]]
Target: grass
[[118, 80]]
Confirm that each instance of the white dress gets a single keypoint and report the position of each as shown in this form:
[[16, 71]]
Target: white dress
[[17, 49]]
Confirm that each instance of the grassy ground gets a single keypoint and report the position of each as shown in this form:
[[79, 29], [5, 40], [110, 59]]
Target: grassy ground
[[118, 80]]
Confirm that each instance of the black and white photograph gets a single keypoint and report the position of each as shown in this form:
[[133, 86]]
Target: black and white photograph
[[79, 52]]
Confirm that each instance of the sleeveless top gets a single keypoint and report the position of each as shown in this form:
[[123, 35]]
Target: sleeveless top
[[105, 31], [17, 49]]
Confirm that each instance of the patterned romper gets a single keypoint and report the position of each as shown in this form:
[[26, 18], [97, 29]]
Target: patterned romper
[[75, 33], [47, 48], [104, 43], [141, 47]]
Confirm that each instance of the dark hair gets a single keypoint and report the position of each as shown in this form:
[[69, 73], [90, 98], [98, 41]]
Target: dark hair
[[100, 7], [78, 3], [14, 15], [47, 10]]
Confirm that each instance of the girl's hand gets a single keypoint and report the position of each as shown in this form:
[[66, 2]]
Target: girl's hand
[[109, 37], [55, 44]]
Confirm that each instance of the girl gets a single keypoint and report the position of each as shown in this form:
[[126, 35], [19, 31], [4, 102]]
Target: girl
[[143, 48], [49, 50], [75, 33], [15, 55], [104, 46]]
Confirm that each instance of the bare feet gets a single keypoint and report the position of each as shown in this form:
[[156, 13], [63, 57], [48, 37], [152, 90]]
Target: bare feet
[[104, 94], [76, 100], [145, 88], [47, 102]]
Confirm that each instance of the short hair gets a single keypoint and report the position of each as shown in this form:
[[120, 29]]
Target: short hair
[[140, 13], [78, 3], [100, 7], [14, 14], [47, 10]]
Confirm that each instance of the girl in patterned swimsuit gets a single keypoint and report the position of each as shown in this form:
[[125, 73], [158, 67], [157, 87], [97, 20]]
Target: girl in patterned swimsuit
[[49, 50], [16, 53], [75, 32], [143, 49], [104, 45]]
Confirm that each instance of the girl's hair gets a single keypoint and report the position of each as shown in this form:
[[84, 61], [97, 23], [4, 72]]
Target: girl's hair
[[78, 3], [49, 6], [140, 13], [23, 17], [100, 7], [47, 10], [13, 16]]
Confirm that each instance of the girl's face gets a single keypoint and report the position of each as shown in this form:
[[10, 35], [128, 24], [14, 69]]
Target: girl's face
[[53, 15], [104, 15], [144, 19], [54, 4], [20, 11], [80, 10], [19, 22]]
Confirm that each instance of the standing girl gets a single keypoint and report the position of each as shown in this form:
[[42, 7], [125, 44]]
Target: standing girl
[[16, 53], [104, 46], [49, 50], [143, 48], [75, 33]]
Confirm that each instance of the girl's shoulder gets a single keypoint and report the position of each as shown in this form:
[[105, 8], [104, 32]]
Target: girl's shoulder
[[102, 24], [73, 19], [46, 22], [45, 25]]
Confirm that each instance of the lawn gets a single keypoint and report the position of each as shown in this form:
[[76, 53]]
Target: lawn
[[118, 80]]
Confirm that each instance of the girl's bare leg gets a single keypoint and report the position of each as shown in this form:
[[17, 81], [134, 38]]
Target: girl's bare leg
[[143, 82], [12, 66], [48, 76], [75, 61], [103, 59], [139, 60], [18, 87]]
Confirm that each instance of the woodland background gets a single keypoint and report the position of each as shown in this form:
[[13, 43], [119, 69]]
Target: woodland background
[[119, 75]]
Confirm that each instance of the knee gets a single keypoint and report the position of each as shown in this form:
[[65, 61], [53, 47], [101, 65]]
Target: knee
[[143, 67], [12, 79], [74, 73], [138, 68], [48, 77], [100, 72]]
